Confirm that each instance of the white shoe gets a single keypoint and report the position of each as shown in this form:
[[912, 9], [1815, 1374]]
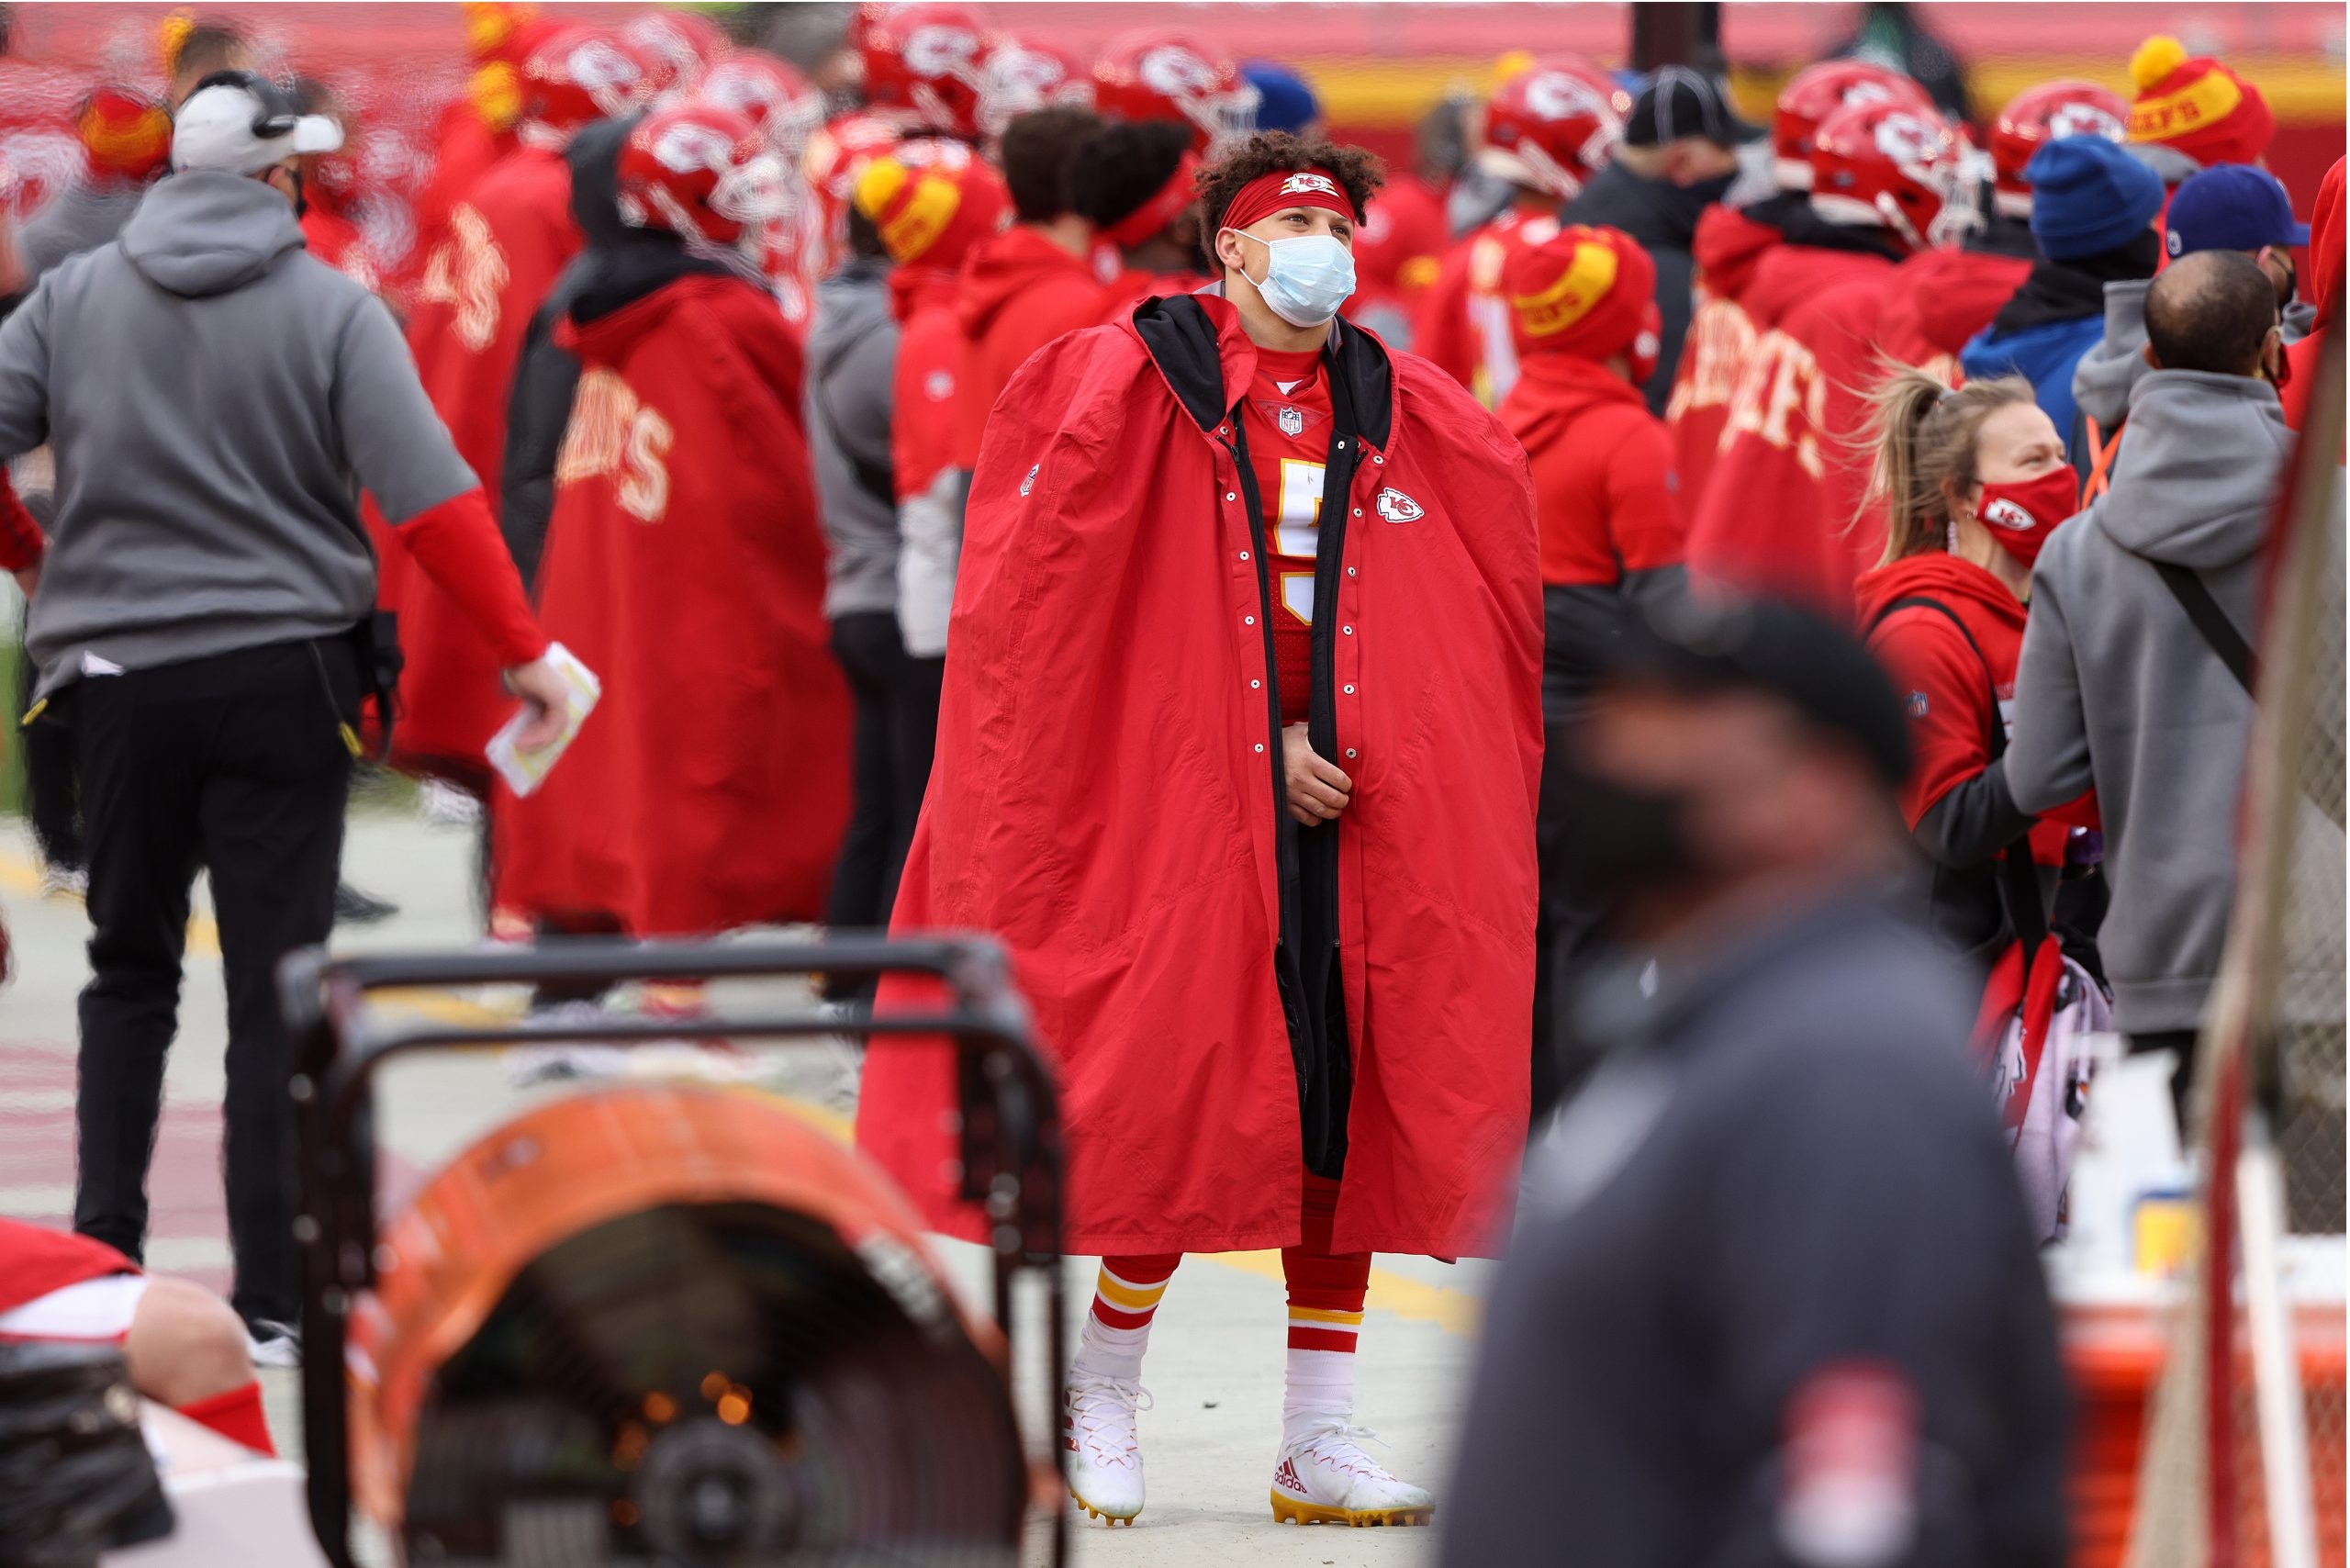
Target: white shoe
[[64, 881], [1104, 1455], [1325, 1478]]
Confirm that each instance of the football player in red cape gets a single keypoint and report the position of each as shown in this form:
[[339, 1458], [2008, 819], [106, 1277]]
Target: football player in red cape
[[1238, 755]]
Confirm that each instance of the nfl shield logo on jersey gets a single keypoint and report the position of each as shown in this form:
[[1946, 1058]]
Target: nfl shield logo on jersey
[[1291, 421], [1397, 507]]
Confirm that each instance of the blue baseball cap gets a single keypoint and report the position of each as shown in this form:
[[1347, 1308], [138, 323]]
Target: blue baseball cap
[[1283, 100], [2231, 206], [2089, 196]]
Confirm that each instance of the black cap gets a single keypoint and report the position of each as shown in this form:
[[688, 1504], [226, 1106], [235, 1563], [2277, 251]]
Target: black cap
[[1711, 645], [1677, 102]]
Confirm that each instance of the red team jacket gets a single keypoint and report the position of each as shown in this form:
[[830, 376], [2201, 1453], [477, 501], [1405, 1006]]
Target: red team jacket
[[1937, 299], [684, 566], [507, 239], [1777, 509], [925, 383], [1019, 292], [1942, 682], [1726, 250], [1106, 608]]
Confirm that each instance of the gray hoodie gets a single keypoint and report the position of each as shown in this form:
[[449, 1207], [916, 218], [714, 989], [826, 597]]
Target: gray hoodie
[[2115, 687], [214, 398], [2101, 382], [852, 354]]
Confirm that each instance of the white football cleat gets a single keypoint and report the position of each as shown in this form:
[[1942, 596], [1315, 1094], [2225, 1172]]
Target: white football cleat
[[1104, 1454], [1325, 1478]]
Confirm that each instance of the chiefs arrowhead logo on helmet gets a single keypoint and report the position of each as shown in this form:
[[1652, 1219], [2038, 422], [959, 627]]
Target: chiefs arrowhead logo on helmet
[[941, 50], [1907, 140], [1176, 71], [2085, 119], [1397, 507], [685, 146], [1554, 94]]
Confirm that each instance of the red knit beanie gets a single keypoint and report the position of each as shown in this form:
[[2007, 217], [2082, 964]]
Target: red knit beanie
[[2197, 104], [1584, 291]]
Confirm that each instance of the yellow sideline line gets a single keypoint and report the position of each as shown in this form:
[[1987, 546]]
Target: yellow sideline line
[[1455, 1312]]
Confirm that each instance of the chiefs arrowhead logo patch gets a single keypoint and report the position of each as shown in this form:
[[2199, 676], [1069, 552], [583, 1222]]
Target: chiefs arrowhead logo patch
[[1397, 507]]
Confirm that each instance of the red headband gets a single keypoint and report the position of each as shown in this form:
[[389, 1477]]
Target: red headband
[[1159, 211], [1282, 189]]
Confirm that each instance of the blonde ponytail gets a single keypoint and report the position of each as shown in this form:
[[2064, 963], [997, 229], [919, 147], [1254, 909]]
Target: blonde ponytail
[[1921, 436]]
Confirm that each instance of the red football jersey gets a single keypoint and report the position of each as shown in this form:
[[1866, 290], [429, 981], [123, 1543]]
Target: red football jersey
[[1288, 427]]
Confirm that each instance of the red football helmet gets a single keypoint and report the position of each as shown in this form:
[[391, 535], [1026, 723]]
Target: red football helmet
[[1173, 76], [2037, 115], [677, 47], [925, 58], [575, 77], [1023, 73], [1555, 123], [1818, 91], [1896, 165], [700, 171], [779, 102]]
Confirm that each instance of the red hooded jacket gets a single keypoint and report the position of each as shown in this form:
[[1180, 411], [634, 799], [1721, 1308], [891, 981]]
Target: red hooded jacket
[[1726, 250], [684, 566], [507, 239], [1107, 798], [2325, 294], [1603, 471], [1777, 513], [926, 380], [1937, 299], [1019, 292]]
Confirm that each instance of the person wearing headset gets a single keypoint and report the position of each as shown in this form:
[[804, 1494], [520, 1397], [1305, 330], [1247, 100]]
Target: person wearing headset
[[215, 398]]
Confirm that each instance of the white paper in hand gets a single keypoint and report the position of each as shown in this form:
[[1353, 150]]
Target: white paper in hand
[[526, 770]]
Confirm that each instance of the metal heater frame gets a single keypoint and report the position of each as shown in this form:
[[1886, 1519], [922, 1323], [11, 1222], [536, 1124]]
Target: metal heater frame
[[1011, 1139]]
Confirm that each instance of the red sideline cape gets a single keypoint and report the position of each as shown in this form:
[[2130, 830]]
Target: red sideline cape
[[686, 568], [1103, 801], [507, 239], [1777, 514], [1727, 249]]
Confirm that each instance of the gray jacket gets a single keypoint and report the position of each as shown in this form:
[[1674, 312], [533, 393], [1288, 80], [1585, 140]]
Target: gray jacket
[[2102, 381], [81, 218], [852, 354], [214, 398], [2116, 687]]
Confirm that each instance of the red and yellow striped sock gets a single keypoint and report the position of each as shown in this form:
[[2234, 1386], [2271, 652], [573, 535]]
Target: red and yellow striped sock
[[1117, 1327], [1326, 1297]]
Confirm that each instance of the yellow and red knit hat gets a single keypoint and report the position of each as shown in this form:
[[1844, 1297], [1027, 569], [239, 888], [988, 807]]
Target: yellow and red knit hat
[[125, 133], [932, 201], [1589, 292], [2196, 106]]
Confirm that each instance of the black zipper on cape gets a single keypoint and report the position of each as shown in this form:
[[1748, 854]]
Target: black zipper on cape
[[1315, 965]]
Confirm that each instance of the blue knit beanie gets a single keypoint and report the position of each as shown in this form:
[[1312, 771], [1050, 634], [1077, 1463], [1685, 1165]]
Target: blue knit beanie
[[2088, 196], [1283, 100]]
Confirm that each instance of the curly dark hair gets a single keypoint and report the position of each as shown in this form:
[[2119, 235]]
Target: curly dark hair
[[1358, 173]]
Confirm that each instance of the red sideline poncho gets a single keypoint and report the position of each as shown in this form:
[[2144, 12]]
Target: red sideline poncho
[[1727, 247], [1106, 800], [1777, 514], [686, 568], [508, 238]]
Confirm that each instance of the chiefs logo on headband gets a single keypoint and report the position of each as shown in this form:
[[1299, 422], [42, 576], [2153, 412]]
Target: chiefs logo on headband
[[1310, 184]]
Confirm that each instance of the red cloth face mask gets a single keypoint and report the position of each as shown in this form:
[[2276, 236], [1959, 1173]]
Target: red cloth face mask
[[2023, 515]]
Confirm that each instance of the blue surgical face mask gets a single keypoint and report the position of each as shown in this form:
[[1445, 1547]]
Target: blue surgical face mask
[[1306, 278]]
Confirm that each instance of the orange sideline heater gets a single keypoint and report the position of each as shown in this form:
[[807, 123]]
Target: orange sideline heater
[[668, 1323]]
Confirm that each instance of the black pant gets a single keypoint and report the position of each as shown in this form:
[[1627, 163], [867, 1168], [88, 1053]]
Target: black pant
[[1566, 925], [896, 727], [233, 763], [49, 781]]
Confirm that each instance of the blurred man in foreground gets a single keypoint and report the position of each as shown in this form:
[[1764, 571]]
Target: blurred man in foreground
[[1774, 1298]]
